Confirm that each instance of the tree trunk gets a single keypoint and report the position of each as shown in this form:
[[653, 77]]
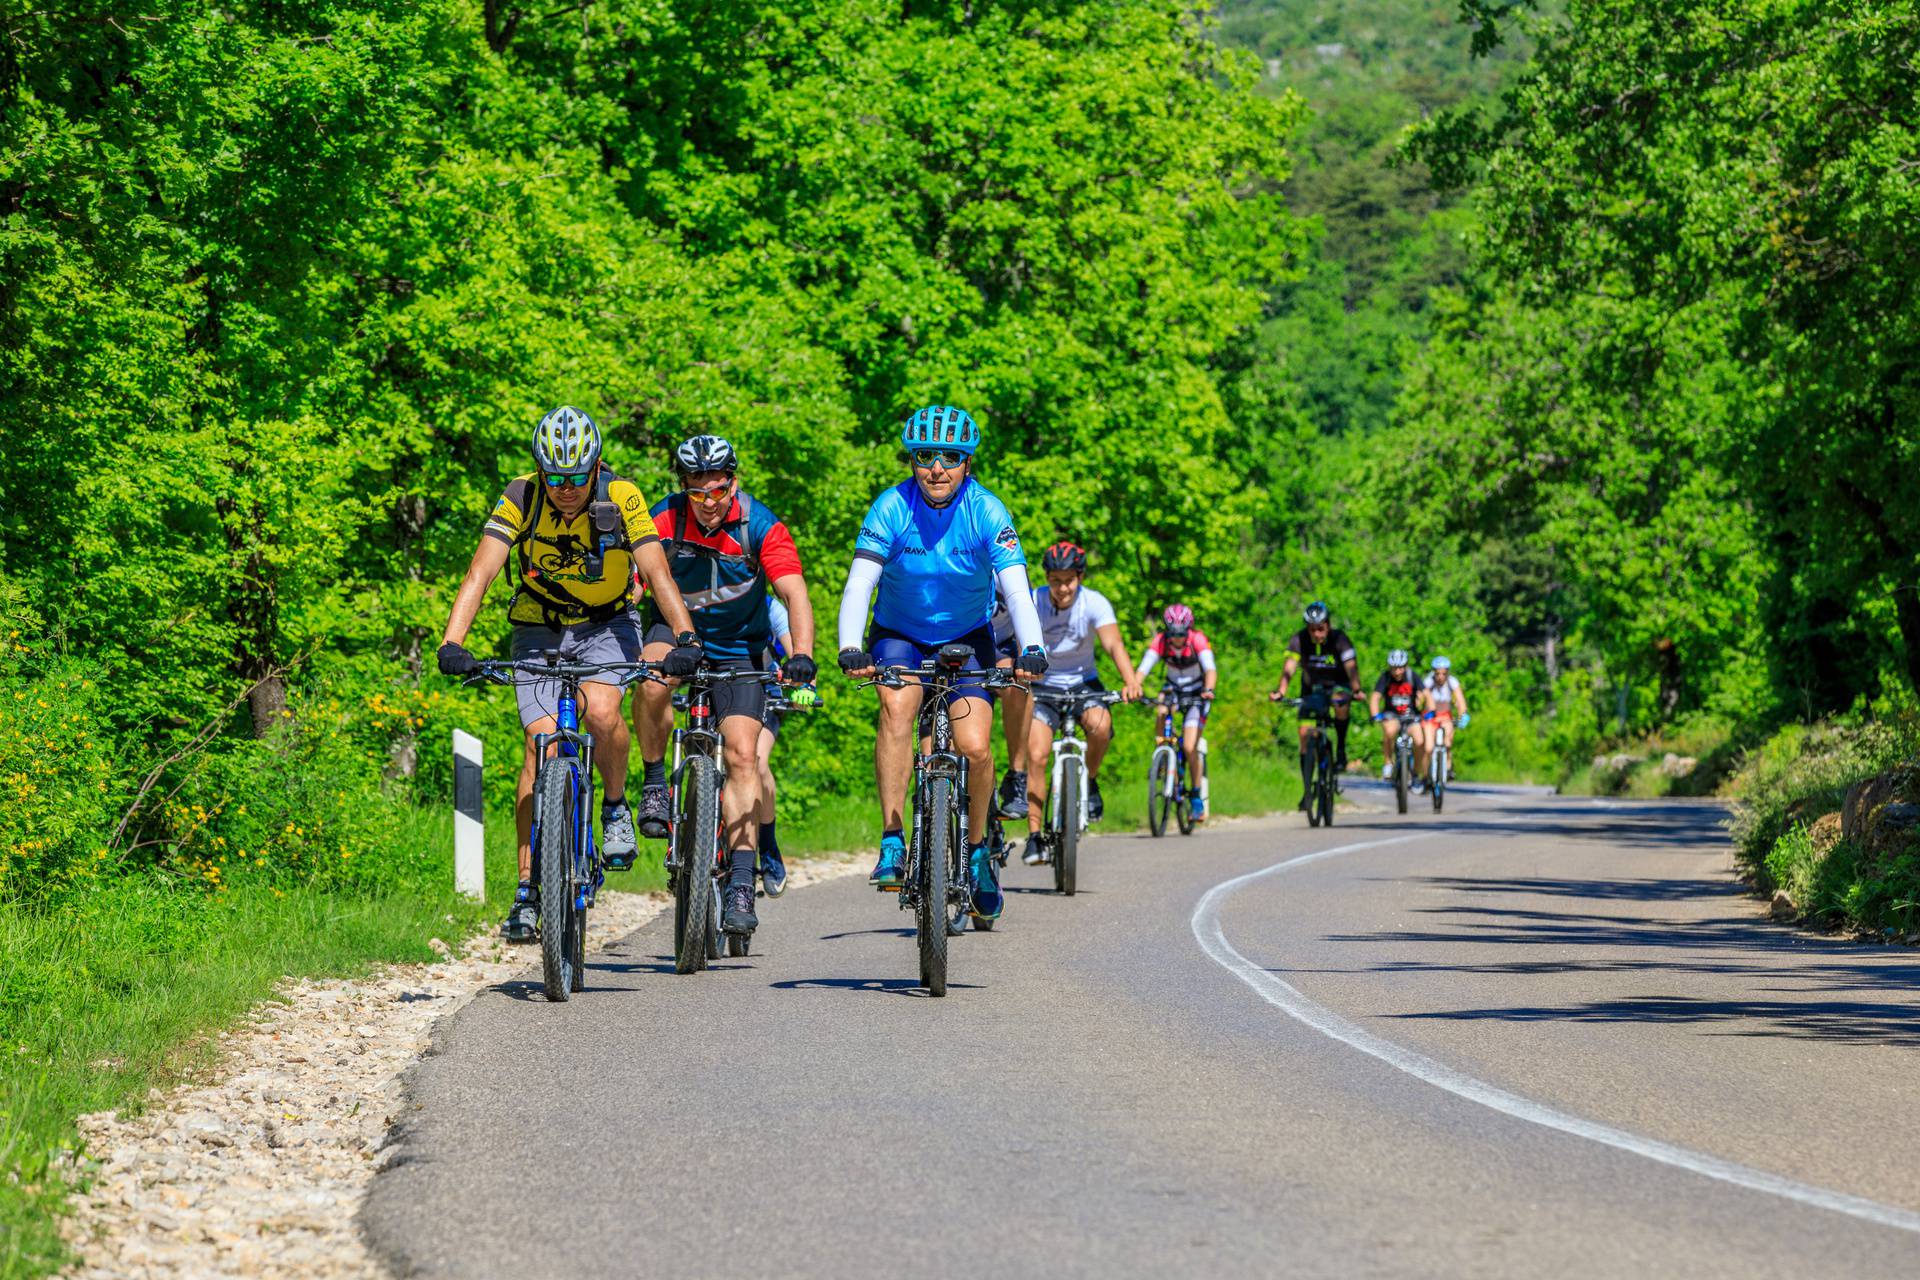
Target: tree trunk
[[1906, 615], [1551, 654]]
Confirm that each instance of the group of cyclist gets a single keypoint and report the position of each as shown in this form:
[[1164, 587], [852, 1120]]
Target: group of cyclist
[[1329, 666], [709, 579]]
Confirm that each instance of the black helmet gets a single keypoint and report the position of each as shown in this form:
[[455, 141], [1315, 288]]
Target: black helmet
[[705, 453], [1316, 613], [1064, 555]]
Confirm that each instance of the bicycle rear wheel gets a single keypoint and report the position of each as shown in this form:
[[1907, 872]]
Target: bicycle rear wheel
[[1066, 853], [930, 916], [557, 812], [1159, 790], [1183, 800], [695, 935]]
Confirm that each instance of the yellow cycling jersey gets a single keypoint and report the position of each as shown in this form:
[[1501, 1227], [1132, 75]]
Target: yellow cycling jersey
[[557, 587]]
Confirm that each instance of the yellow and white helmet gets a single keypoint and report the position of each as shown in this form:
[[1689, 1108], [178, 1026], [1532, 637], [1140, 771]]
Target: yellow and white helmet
[[566, 442]]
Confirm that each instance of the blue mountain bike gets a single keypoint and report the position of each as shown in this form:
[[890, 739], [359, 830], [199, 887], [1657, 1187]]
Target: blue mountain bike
[[567, 866]]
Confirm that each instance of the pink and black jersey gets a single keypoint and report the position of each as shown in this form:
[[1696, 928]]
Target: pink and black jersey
[[1187, 660]]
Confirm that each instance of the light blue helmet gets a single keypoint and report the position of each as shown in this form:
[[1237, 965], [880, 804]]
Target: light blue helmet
[[941, 426], [1442, 664]]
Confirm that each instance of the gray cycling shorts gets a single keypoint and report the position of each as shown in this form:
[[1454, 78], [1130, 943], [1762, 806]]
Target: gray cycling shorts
[[1049, 715], [614, 641]]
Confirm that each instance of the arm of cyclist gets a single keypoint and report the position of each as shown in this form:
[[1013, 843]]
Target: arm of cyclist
[[1286, 678], [684, 657], [799, 667], [489, 558], [1209, 674], [1353, 673], [1015, 590], [1109, 636], [862, 580], [1460, 701]]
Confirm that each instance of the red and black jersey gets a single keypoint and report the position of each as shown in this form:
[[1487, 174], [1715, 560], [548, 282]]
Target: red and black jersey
[[1399, 696], [723, 572]]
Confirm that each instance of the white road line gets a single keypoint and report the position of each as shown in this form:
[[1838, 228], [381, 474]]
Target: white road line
[[1213, 940]]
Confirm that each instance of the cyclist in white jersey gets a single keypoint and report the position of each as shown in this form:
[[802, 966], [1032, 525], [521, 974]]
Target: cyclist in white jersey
[[1016, 720], [1448, 708], [1074, 619]]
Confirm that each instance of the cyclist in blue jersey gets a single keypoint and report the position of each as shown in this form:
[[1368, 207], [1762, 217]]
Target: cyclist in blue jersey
[[773, 867], [934, 547]]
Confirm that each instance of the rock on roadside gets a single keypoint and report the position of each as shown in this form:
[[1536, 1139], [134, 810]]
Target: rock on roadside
[[260, 1172]]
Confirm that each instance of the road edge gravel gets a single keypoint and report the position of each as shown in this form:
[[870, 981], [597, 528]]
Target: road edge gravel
[[261, 1168]]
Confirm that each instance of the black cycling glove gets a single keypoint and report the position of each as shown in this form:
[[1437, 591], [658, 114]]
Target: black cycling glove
[[800, 669], [855, 659], [684, 658], [456, 661], [1032, 661]]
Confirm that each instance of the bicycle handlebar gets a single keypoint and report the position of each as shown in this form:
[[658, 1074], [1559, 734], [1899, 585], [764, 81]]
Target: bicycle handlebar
[[894, 676], [499, 671], [1083, 697]]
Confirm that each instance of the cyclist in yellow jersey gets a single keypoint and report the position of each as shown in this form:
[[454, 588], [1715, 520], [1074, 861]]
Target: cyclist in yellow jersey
[[580, 532]]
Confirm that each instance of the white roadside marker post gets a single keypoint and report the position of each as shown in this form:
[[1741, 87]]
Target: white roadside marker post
[[469, 841]]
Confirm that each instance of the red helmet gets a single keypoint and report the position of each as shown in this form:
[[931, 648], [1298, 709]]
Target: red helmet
[[1064, 555]]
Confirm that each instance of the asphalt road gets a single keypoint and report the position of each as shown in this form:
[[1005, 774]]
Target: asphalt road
[[1543, 1037]]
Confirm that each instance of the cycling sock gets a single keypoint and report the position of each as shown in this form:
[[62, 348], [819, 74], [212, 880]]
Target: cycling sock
[[607, 802], [901, 832], [1306, 770], [1340, 738], [769, 843], [653, 773], [740, 867]]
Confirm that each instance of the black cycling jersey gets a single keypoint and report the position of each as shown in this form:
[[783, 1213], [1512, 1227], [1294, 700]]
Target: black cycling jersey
[[1399, 696], [1325, 662]]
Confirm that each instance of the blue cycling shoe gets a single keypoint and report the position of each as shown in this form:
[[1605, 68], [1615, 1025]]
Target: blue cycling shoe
[[891, 869], [987, 898]]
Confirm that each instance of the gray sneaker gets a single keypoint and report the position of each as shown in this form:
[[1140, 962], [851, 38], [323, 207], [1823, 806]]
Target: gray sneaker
[[1033, 855], [653, 811], [616, 835]]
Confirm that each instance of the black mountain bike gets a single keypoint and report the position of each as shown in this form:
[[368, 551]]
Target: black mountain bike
[[567, 867], [937, 884], [1066, 815], [1321, 784], [695, 874], [1403, 755]]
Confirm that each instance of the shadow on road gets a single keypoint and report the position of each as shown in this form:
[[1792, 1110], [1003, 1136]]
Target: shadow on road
[[1819, 981], [906, 931], [883, 986]]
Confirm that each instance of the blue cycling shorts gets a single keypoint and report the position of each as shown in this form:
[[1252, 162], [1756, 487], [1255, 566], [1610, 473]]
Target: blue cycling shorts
[[889, 648]]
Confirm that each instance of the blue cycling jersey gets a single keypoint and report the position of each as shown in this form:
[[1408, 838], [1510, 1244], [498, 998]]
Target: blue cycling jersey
[[937, 563]]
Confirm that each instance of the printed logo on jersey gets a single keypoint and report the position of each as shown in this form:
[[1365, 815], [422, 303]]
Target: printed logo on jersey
[[635, 502], [1007, 538]]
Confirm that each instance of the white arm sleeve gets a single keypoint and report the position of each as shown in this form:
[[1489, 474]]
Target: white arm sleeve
[[862, 578], [1206, 660], [1147, 660], [1019, 597]]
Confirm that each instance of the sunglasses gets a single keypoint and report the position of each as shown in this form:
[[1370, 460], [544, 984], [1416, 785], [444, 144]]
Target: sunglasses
[[711, 492], [558, 480], [950, 459]]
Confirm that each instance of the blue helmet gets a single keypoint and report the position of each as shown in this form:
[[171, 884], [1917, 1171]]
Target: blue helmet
[[1441, 664], [941, 426]]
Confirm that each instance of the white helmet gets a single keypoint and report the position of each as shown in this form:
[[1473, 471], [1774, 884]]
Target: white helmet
[[566, 442], [1398, 658]]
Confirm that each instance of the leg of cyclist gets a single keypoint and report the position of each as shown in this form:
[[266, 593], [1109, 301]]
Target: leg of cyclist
[[1306, 751], [1016, 714], [740, 804], [1039, 781], [523, 914], [1190, 740], [892, 765], [1342, 714], [1389, 730], [611, 743], [973, 738], [653, 726], [773, 868], [1098, 724]]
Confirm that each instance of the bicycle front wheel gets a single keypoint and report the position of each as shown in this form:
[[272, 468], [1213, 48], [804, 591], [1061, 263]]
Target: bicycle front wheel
[[558, 810], [694, 934], [1160, 790], [1066, 853], [1440, 763], [930, 916], [1401, 768]]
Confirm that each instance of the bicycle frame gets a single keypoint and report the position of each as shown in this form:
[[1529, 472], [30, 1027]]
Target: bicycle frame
[[572, 744]]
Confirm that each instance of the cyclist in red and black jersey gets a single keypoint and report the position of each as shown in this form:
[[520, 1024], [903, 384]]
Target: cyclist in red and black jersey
[[1327, 657], [1397, 695]]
